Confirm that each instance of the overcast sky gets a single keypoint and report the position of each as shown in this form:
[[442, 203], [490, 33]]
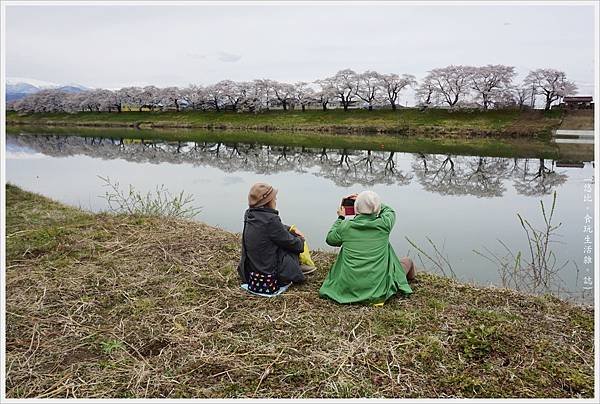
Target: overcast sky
[[116, 46]]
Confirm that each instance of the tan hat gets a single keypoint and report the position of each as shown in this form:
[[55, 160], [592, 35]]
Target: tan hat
[[260, 194]]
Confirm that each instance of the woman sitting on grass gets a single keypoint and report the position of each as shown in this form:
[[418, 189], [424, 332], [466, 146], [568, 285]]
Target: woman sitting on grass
[[270, 250], [367, 268]]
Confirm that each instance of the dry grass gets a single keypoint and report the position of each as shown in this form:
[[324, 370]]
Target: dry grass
[[578, 119], [124, 306]]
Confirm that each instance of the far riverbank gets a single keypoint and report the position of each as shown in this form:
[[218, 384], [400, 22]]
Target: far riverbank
[[433, 123]]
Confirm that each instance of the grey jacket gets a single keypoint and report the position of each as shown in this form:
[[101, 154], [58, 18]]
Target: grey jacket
[[269, 247]]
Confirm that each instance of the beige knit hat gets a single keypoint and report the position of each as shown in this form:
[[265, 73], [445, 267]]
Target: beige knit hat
[[367, 203], [260, 194]]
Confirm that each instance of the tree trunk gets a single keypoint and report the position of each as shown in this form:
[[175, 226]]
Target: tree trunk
[[324, 106], [548, 102], [303, 107], [370, 107], [393, 106]]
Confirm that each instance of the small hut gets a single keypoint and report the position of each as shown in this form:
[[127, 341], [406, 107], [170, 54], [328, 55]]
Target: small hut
[[578, 102]]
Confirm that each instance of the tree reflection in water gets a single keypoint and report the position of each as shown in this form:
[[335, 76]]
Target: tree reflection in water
[[540, 180], [483, 176], [442, 174]]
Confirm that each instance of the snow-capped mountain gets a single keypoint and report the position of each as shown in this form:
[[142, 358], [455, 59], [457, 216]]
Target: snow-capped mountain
[[19, 87], [32, 82]]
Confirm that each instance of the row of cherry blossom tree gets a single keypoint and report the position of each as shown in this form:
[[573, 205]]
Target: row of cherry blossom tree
[[455, 86]]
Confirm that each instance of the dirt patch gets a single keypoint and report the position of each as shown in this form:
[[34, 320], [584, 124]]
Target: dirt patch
[[153, 347]]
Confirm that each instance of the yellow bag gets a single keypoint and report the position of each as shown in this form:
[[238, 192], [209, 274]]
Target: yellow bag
[[305, 258]]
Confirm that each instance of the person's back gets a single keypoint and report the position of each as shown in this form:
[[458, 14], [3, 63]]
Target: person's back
[[265, 237], [366, 269], [269, 249]]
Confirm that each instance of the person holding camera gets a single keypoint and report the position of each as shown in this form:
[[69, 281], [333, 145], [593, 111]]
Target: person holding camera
[[366, 269], [270, 249]]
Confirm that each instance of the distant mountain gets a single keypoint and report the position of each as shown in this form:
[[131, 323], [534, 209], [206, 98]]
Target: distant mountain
[[15, 96], [19, 87], [24, 88], [33, 82]]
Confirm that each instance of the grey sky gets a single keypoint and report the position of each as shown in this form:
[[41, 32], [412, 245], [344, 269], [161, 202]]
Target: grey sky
[[116, 46]]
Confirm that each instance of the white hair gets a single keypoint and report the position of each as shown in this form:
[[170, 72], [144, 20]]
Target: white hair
[[367, 202]]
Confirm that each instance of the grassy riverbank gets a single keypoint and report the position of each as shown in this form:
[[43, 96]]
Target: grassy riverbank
[[105, 305], [483, 146], [578, 119], [409, 122]]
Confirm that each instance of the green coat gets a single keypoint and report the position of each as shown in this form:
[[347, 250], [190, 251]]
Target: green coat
[[366, 268]]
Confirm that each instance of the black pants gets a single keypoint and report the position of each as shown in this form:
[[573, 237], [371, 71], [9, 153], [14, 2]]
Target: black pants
[[289, 268]]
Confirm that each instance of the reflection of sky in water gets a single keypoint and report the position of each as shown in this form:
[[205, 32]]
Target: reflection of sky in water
[[457, 221], [16, 152]]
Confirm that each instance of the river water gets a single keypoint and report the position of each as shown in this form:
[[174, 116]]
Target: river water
[[447, 205]]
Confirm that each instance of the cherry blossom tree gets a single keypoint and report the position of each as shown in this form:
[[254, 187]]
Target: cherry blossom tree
[[105, 100], [252, 96], [303, 94], [325, 94], [522, 95], [264, 89], [234, 92], [284, 93], [344, 84], [128, 96], [74, 102], [552, 84], [43, 101], [450, 83], [426, 93], [94, 100], [368, 87], [392, 84], [170, 96], [194, 95], [215, 96], [491, 83], [150, 98]]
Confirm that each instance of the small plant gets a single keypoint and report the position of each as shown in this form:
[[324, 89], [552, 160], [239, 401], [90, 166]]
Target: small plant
[[477, 342], [437, 258], [158, 203], [537, 270], [111, 345]]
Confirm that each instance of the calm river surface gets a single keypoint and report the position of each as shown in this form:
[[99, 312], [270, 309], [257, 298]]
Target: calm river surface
[[461, 203]]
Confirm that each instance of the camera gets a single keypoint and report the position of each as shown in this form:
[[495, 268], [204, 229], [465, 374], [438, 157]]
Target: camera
[[348, 205]]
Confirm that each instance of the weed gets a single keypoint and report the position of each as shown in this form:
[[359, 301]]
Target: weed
[[476, 342], [111, 345], [159, 203]]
